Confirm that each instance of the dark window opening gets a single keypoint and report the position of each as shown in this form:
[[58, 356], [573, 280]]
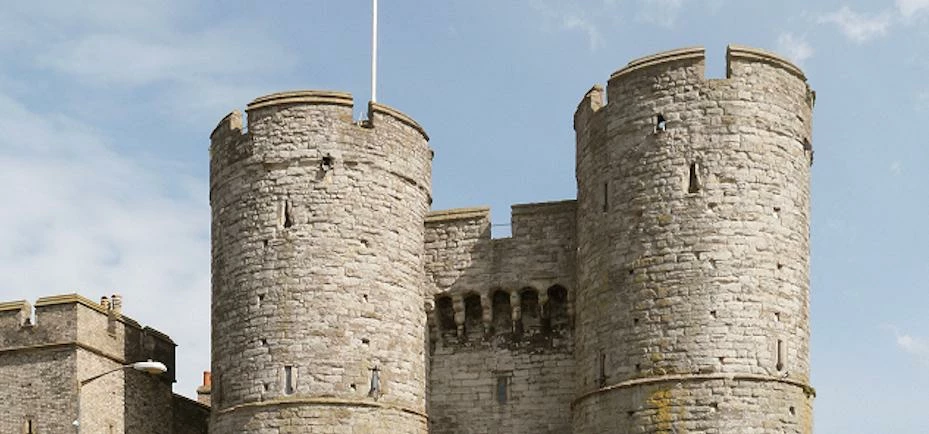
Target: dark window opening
[[781, 354], [660, 123], [502, 389], [288, 214], [606, 196], [473, 317], [502, 312], [558, 308], [29, 426], [375, 390], [529, 310], [326, 163], [601, 377], [693, 184], [288, 380], [446, 314]]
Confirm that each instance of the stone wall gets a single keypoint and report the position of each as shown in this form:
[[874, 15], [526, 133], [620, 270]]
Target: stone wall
[[70, 339], [37, 369], [501, 341], [693, 246], [189, 416], [317, 232]]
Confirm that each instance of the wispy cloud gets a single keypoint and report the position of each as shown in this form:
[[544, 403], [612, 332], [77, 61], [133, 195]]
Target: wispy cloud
[[594, 39], [896, 168], [661, 12], [910, 8], [144, 46], [856, 26], [796, 48], [82, 217], [915, 346], [571, 17]]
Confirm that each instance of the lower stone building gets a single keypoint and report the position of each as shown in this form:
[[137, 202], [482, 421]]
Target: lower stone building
[[66, 367]]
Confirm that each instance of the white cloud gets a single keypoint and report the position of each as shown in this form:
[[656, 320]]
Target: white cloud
[[896, 168], [145, 46], [594, 40], [794, 48], [661, 12], [909, 8], [915, 346], [858, 27], [84, 218], [571, 17]]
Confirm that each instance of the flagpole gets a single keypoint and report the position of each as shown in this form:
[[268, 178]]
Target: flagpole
[[374, 51]]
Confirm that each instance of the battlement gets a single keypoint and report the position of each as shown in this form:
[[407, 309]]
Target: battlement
[[71, 320], [736, 55], [694, 55], [669, 92], [231, 125], [547, 220]]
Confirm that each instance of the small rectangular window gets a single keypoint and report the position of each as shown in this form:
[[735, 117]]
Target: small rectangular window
[[502, 389], [781, 354], [694, 180], [288, 380], [29, 426], [606, 196]]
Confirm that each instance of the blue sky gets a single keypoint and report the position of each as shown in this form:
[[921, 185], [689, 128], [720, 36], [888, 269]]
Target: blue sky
[[106, 107]]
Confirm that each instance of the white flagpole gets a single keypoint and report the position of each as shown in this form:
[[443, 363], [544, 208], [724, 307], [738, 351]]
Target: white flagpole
[[374, 51]]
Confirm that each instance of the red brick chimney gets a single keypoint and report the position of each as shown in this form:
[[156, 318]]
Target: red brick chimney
[[203, 392]]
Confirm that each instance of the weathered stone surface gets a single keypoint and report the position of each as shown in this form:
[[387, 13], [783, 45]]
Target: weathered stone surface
[[44, 358], [693, 246], [318, 268]]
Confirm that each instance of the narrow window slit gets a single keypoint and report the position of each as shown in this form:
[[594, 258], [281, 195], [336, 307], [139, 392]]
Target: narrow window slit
[[660, 123], [601, 378], [606, 196], [375, 391], [502, 386], [288, 380], [781, 354], [693, 185], [288, 214]]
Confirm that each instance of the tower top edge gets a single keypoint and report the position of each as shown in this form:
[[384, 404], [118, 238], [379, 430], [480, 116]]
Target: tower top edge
[[734, 51], [662, 57], [301, 97], [379, 108]]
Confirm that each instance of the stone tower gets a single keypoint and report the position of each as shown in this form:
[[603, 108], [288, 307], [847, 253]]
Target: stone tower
[[317, 300], [693, 248]]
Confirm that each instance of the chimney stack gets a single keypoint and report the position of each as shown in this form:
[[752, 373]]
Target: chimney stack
[[203, 392], [116, 303]]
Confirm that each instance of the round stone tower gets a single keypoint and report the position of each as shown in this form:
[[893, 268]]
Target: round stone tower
[[317, 229], [693, 234]]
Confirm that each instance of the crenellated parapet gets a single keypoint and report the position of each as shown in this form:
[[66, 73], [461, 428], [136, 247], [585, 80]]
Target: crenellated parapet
[[693, 240], [503, 319], [71, 321], [671, 88]]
